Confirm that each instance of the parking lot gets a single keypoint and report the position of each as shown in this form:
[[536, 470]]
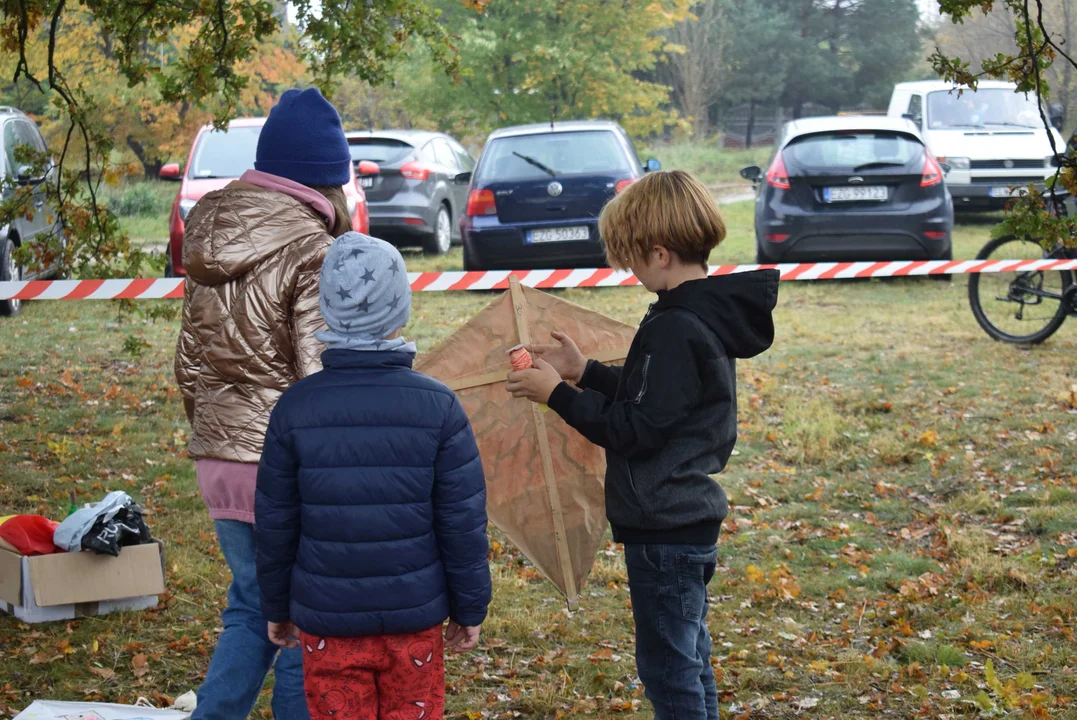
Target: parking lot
[[903, 491]]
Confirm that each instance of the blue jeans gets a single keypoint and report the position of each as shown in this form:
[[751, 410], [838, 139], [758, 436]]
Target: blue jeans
[[244, 653], [668, 585]]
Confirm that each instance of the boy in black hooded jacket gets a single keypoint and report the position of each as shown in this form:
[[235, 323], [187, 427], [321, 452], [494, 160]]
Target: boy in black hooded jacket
[[667, 419]]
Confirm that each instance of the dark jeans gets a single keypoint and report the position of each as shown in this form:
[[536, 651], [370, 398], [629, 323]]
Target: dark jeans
[[668, 584]]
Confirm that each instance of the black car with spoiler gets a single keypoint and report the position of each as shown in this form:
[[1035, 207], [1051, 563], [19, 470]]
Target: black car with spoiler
[[851, 188]]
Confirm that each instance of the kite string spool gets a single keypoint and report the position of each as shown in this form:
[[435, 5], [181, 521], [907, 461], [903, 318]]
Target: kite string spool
[[519, 358]]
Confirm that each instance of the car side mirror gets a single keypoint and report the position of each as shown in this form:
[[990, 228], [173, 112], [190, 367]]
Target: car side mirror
[[918, 120], [652, 165], [368, 167], [946, 168], [463, 178], [752, 172], [27, 176], [1057, 114], [171, 171]]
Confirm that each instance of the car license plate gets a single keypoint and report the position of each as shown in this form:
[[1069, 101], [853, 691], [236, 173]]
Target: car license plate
[[559, 234], [1007, 192], [366, 182], [869, 193]]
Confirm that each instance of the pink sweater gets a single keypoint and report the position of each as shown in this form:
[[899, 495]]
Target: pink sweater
[[228, 487]]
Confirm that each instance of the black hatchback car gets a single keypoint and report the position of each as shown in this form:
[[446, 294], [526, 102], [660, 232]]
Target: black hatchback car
[[855, 188], [538, 190], [418, 191]]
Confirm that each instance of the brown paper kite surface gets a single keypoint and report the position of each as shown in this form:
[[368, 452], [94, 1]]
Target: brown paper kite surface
[[544, 480]]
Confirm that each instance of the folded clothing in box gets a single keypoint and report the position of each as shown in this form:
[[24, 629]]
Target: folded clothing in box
[[105, 527]]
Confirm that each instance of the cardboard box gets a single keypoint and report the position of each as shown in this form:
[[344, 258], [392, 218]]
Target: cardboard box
[[69, 585]]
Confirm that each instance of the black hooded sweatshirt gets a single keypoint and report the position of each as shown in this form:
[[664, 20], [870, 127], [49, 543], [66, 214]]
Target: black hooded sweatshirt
[[668, 418]]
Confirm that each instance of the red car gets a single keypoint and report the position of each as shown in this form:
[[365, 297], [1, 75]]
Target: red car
[[216, 159]]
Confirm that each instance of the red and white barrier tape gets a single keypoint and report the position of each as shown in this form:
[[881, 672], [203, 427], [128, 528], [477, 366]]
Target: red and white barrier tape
[[156, 289]]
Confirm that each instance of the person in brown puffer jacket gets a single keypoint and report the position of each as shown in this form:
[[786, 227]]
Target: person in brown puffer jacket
[[253, 252]]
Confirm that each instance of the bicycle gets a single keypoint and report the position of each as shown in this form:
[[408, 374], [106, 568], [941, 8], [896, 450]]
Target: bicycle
[[1024, 307]]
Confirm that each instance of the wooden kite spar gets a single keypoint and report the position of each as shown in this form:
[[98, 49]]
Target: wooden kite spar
[[544, 480]]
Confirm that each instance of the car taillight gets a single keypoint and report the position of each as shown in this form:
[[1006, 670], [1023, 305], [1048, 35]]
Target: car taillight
[[777, 175], [622, 184], [776, 237], [932, 172], [935, 234], [415, 170], [481, 202]]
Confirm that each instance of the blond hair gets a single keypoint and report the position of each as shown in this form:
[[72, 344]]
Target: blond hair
[[668, 208]]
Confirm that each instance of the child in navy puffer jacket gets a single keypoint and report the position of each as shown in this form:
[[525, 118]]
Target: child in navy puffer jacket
[[370, 512]]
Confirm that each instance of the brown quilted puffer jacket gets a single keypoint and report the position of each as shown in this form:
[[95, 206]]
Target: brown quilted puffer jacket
[[250, 311]]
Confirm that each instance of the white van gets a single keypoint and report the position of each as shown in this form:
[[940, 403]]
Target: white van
[[993, 139]]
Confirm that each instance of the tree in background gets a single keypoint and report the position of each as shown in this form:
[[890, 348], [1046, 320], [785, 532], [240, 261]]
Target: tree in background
[[145, 128], [758, 54], [847, 53], [698, 59], [982, 35], [208, 69], [758, 59], [544, 60], [1036, 52]]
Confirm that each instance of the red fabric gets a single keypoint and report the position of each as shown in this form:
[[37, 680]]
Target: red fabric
[[30, 534], [383, 677]]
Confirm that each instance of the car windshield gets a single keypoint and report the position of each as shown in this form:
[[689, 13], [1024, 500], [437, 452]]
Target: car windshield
[[380, 150], [982, 108], [536, 157], [225, 154], [854, 150]]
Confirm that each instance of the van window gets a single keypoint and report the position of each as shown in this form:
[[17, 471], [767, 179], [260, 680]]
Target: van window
[[983, 108], [916, 107]]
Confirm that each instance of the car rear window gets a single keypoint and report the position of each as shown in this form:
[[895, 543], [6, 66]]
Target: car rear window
[[225, 154], [566, 153], [848, 150], [379, 150]]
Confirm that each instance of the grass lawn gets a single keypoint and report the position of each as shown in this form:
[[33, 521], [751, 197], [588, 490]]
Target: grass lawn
[[902, 541]]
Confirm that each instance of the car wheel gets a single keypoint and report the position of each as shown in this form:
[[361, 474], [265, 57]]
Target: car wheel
[[9, 271], [170, 271], [441, 241], [470, 265]]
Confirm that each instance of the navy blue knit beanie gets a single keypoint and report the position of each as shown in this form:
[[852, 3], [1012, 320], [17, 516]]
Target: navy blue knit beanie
[[303, 141]]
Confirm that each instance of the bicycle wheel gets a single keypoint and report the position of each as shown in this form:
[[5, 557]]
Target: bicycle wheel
[[1011, 306]]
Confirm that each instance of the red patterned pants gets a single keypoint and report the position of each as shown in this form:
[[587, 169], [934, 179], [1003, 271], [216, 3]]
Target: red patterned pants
[[384, 677]]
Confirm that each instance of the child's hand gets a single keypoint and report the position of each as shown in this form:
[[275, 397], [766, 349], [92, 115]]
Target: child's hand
[[461, 639], [565, 356], [536, 384], [283, 635]]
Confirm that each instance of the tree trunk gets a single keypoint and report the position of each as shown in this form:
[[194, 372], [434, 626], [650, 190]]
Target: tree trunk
[[751, 125], [151, 167]]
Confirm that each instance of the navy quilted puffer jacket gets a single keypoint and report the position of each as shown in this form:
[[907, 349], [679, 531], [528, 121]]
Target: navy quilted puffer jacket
[[370, 514]]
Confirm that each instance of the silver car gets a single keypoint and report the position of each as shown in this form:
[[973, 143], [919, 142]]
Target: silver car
[[39, 225], [415, 184]]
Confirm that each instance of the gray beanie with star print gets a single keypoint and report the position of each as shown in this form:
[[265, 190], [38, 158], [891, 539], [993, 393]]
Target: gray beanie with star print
[[365, 295]]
